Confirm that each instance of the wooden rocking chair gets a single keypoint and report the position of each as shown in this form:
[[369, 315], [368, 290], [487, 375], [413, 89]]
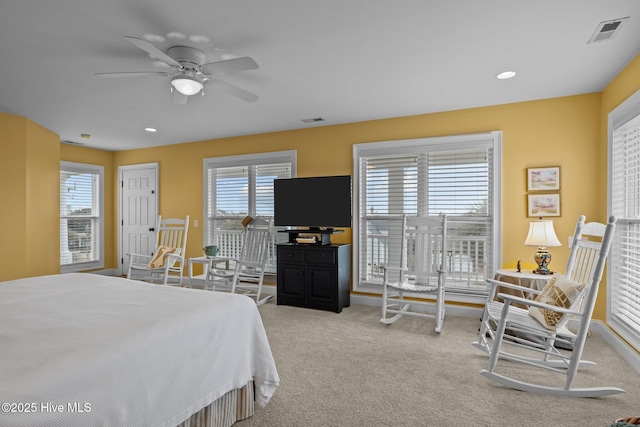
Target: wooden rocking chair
[[421, 270], [247, 276], [535, 333], [167, 258], [580, 268]]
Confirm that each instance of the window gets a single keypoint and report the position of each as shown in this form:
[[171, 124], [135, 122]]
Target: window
[[454, 175], [238, 186], [81, 217], [623, 272]]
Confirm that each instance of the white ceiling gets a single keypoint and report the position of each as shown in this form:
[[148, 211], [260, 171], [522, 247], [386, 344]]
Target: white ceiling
[[342, 60]]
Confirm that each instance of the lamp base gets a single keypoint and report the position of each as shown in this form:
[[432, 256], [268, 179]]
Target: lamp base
[[542, 258]]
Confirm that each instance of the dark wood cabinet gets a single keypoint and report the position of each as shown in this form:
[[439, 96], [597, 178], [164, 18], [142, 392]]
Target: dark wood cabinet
[[314, 276]]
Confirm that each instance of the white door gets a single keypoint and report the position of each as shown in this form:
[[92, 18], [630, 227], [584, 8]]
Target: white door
[[138, 211]]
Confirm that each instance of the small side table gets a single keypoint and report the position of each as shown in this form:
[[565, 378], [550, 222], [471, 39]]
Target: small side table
[[524, 279], [206, 262]]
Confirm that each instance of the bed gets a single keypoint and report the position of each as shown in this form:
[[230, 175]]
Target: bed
[[85, 350]]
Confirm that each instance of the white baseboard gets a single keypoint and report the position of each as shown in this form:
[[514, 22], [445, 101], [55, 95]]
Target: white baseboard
[[624, 349]]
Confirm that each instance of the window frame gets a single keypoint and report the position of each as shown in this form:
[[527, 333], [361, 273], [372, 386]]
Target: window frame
[[618, 118], [453, 142], [66, 166], [243, 160]]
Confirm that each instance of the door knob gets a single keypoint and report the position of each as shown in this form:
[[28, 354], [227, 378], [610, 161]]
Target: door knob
[[152, 229]]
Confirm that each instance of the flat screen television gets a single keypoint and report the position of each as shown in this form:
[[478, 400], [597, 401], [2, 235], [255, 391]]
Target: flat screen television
[[313, 203]]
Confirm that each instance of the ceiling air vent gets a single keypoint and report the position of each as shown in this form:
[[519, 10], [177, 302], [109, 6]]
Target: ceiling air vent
[[607, 30]]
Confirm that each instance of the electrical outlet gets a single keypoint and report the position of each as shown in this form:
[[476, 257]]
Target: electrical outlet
[[195, 223]]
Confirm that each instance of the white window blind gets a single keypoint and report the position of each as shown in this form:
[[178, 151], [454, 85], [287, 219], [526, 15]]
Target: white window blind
[[452, 176], [623, 273], [81, 216], [238, 186]]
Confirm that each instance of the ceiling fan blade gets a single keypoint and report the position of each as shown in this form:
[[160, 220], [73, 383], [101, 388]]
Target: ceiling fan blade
[[154, 51], [133, 74], [178, 98], [230, 65], [233, 90]]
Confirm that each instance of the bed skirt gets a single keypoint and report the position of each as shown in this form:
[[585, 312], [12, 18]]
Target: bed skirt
[[234, 406]]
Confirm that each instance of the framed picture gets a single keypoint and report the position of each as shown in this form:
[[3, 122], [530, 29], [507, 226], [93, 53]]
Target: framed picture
[[543, 205], [543, 179]]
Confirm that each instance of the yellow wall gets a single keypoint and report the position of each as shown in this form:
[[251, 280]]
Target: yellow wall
[[555, 132], [13, 196], [29, 199]]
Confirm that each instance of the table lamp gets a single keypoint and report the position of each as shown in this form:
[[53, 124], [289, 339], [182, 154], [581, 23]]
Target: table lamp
[[542, 234]]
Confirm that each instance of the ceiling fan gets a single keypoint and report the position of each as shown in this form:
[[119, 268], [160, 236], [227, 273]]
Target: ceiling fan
[[191, 71]]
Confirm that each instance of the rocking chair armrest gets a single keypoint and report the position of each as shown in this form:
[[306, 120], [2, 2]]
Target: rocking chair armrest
[[238, 261], [252, 264], [495, 283], [508, 299], [386, 269], [149, 257], [393, 268], [498, 283], [176, 256]]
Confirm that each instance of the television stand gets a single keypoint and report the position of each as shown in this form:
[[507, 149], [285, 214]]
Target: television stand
[[323, 235], [314, 276]]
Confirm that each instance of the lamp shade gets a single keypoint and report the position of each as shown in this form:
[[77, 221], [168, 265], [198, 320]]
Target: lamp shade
[[541, 233], [186, 85]]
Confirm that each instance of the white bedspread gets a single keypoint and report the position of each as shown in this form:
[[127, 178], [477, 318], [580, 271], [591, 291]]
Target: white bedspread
[[84, 350]]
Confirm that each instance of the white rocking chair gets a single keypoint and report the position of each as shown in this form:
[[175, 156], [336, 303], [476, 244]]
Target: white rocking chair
[[421, 270], [171, 245], [247, 276], [537, 345], [580, 267]]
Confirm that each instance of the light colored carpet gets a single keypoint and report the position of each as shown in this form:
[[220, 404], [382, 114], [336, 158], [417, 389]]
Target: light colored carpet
[[349, 369]]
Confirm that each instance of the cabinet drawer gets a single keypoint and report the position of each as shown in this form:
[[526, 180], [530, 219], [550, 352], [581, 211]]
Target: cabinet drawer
[[320, 256], [290, 255]]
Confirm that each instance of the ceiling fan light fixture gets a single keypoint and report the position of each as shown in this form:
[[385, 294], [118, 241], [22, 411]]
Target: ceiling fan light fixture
[[186, 85]]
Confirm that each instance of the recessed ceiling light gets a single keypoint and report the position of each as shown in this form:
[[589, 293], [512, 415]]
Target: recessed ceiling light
[[506, 75], [150, 129]]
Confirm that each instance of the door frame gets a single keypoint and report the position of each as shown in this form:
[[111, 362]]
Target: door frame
[[121, 170]]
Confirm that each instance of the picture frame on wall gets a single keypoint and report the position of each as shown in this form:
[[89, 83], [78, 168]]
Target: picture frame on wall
[[543, 179], [542, 205]]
